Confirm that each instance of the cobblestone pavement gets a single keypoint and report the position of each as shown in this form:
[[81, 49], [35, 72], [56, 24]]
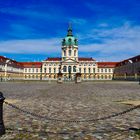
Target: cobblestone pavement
[[88, 100]]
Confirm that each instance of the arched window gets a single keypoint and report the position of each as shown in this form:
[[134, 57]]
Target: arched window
[[69, 69], [69, 40], [64, 69], [74, 68], [84, 70], [69, 52], [74, 52], [64, 52], [88, 70]]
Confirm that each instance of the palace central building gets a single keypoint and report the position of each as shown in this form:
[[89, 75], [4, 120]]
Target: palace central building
[[69, 64]]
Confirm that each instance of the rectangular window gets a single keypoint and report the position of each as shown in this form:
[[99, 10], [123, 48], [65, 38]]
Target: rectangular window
[[49, 70], [37, 70], [54, 70], [80, 70], [112, 70], [64, 52], [93, 70], [44, 70], [101, 70], [89, 70], [74, 52], [69, 52]]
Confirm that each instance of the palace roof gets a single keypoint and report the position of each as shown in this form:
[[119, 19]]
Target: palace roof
[[31, 64], [53, 59], [59, 59], [85, 59], [11, 62], [129, 60], [107, 64], [3, 59]]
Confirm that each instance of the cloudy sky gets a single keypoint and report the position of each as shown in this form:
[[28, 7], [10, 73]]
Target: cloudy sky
[[32, 30]]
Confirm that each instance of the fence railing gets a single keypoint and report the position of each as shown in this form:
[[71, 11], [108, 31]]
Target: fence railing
[[2, 127]]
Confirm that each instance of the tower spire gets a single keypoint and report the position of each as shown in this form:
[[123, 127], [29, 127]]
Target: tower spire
[[69, 30]]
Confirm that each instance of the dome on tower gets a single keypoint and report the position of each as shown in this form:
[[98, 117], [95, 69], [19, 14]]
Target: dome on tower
[[69, 39]]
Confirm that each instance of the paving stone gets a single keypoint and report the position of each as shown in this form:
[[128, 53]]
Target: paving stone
[[71, 101]]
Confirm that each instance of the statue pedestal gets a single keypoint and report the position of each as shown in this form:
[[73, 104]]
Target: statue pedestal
[[60, 78], [78, 78]]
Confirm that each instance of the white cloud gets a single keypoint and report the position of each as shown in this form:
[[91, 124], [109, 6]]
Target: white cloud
[[118, 43], [30, 13], [31, 46], [78, 21]]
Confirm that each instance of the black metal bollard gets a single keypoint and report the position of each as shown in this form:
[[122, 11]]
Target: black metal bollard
[[2, 127]]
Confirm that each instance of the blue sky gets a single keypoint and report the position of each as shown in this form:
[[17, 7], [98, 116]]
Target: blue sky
[[32, 30]]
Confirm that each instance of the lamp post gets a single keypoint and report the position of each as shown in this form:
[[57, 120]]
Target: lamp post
[[5, 73]]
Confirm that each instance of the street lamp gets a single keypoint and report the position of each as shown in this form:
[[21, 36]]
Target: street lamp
[[5, 73]]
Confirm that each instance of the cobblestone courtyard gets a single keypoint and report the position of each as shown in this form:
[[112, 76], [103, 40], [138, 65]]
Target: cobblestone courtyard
[[69, 101]]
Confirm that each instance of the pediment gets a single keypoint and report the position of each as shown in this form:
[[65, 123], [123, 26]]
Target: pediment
[[69, 61]]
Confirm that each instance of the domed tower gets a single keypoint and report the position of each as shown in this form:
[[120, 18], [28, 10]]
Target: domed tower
[[70, 46]]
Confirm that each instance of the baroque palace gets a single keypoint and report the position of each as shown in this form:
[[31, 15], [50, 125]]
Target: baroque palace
[[69, 66]]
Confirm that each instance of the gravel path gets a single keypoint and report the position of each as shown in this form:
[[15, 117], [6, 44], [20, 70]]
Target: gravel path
[[88, 100]]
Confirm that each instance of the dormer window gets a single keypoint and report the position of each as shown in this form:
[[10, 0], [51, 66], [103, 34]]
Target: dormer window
[[63, 42], [69, 40], [75, 41]]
